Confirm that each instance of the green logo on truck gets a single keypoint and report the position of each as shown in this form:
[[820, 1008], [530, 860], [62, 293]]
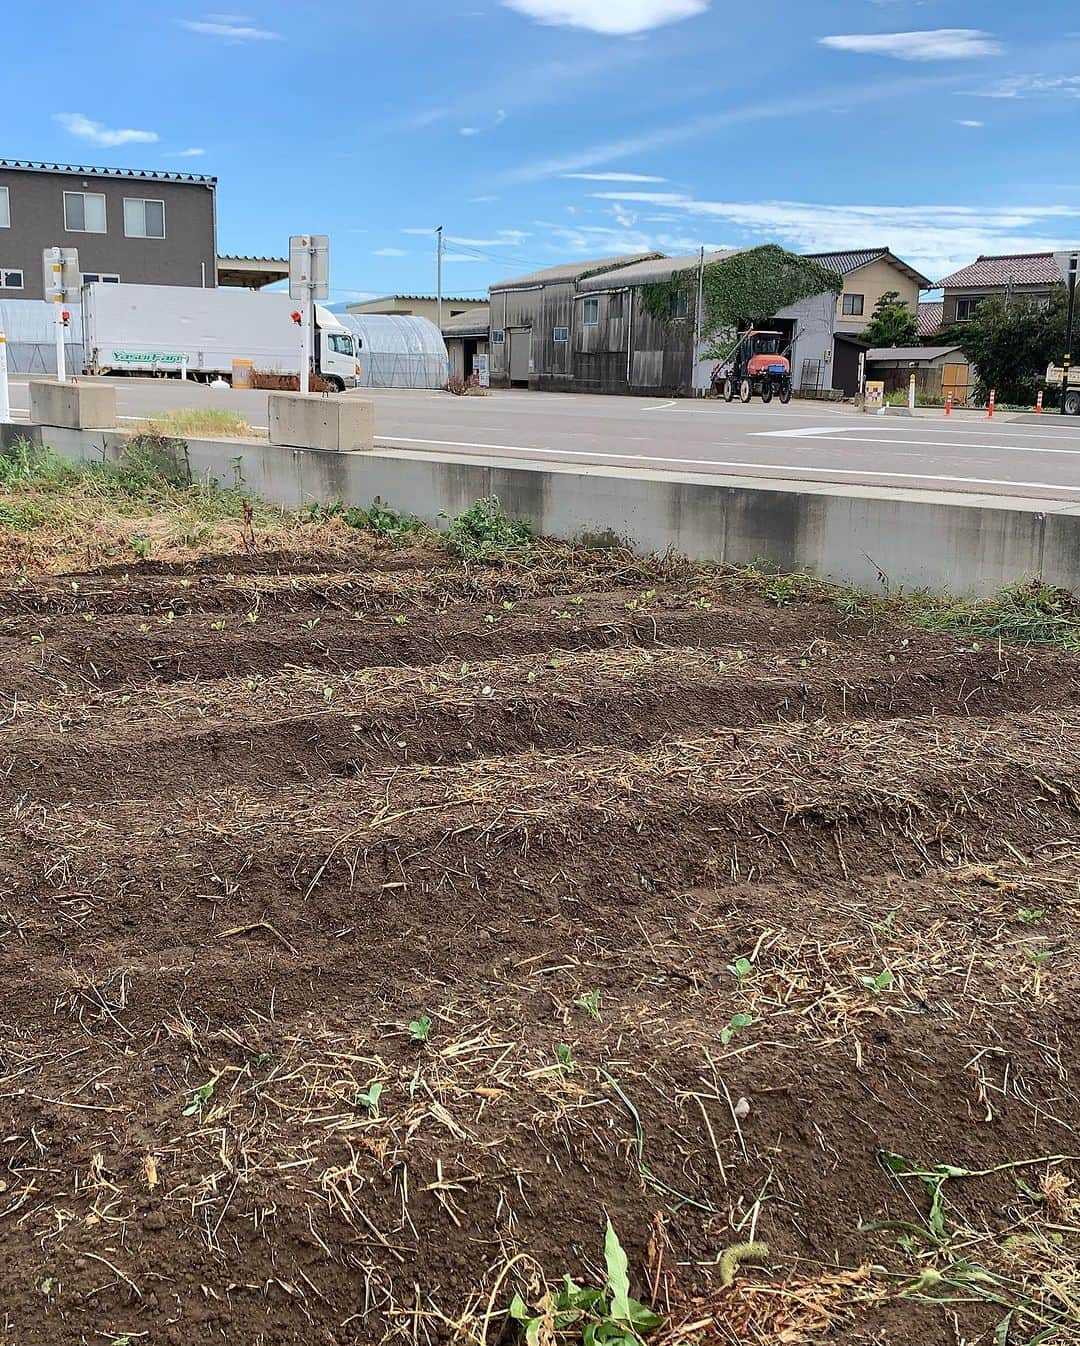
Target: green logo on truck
[[147, 358]]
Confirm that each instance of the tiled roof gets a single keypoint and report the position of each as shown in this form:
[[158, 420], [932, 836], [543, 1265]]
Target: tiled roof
[[1025, 268], [909, 354], [844, 263], [930, 318], [148, 175]]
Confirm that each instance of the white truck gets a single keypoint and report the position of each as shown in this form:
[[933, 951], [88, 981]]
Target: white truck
[[174, 329], [1053, 389]]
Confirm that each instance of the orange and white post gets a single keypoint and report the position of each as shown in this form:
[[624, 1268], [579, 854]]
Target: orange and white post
[[1038, 403], [990, 404], [948, 404]]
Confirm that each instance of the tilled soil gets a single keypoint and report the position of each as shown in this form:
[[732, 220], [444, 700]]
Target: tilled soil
[[713, 907]]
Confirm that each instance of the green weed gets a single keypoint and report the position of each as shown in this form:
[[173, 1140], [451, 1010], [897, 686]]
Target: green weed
[[420, 1029], [734, 1026], [595, 1316], [368, 1099], [883, 981], [589, 1001], [199, 1100], [486, 531]]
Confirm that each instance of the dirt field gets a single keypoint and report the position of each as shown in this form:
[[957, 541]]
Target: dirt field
[[375, 927]]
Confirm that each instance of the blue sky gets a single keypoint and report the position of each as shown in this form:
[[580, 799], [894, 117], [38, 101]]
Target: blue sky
[[540, 130]]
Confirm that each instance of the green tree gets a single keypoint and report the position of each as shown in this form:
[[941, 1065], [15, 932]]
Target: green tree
[[1010, 343], [892, 323]]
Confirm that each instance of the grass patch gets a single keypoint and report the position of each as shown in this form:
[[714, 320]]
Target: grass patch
[[1020, 614], [195, 421], [486, 531]]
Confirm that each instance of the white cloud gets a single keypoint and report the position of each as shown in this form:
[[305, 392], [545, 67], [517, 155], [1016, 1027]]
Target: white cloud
[[192, 152], [461, 257], [234, 27], [967, 121], [507, 238], [613, 177], [612, 17], [938, 44], [699, 128], [429, 232], [78, 124], [1032, 86], [468, 130], [936, 239], [389, 252]]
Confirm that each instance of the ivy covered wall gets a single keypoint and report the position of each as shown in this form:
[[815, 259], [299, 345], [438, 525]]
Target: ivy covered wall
[[739, 292]]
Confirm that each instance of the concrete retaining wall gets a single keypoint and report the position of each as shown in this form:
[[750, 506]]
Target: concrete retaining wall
[[862, 536]]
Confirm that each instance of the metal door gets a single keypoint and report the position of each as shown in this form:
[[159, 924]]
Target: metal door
[[520, 354]]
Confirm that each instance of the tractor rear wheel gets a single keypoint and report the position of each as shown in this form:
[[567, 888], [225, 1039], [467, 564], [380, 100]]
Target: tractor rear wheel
[[1072, 403], [766, 392], [729, 391], [785, 393], [746, 390]]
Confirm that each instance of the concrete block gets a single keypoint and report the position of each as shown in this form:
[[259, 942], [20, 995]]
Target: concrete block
[[313, 421], [73, 406]]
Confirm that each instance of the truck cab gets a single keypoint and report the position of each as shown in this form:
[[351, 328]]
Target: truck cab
[[337, 353]]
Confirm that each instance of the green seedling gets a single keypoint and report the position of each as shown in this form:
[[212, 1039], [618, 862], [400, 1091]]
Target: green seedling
[[199, 1100], [531, 677], [140, 545], [46, 1286], [882, 982], [312, 623], [39, 639], [491, 619], [420, 1029], [562, 616], [606, 1316], [251, 618], [564, 1053], [734, 1025], [328, 694], [1038, 958], [741, 969], [702, 603], [1029, 915], [144, 628], [368, 1099], [577, 600], [507, 606], [260, 1061], [219, 625], [589, 1001], [400, 619]]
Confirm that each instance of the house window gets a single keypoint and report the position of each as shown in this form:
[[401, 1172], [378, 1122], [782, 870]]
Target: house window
[[853, 306], [143, 219], [5, 209], [561, 334], [100, 277], [590, 313], [10, 280], [680, 304], [84, 213], [497, 338], [965, 309]]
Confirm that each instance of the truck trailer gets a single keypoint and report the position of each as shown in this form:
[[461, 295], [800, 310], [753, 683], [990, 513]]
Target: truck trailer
[[175, 329], [1054, 377]]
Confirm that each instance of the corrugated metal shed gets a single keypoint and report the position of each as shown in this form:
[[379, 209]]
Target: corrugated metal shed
[[1027, 268], [572, 271], [654, 270], [475, 322], [913, 354]]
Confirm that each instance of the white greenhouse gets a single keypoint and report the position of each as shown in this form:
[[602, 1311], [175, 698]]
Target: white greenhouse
[[398, 351]]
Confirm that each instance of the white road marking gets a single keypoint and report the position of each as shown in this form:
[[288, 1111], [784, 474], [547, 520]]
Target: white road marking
[[803, 432], [797, 469], [849, 438], [661, 406]]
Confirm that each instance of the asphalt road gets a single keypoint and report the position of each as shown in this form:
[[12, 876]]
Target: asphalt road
[[814, 442]]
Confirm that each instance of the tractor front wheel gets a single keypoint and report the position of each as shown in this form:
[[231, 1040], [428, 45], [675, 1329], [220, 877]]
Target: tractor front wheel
[[746, 390], [766, 392], [729, 390], [785, 393]]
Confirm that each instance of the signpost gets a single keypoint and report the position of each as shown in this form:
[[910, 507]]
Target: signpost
[[62, 282], [309, 282], [5, 398], [875, 395], [1068, 263]]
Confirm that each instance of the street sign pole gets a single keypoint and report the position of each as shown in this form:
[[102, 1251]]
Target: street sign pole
[[5, 396], [58, 327], [1066, 363], [309, 282], [60, 271]]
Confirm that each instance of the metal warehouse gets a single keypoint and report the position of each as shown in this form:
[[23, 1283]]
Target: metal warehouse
[[595, 326]]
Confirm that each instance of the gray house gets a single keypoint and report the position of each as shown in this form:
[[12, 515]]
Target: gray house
[[140, 228]]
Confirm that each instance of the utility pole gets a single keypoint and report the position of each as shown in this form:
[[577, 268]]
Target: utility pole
[[438, 270], [1066, 363], [698, 315]]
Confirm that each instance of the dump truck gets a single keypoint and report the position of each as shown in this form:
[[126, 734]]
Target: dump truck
[[756, 365], [1054, 377], [174, 329]]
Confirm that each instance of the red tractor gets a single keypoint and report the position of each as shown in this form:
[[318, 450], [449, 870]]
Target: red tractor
[[756, 365]]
